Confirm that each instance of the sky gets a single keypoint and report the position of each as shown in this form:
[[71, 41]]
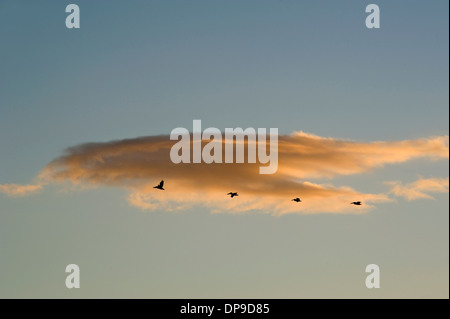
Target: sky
[[85, 119]]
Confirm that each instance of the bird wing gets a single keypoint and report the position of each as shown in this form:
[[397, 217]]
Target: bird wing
[[161, 184]]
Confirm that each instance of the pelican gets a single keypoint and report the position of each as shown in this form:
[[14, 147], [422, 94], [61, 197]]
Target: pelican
[[160, 186], [233, 194], [356, 203]]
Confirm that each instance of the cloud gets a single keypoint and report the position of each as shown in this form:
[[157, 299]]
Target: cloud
[[140, 163], [310, 156], [15, 190], [419, 189]]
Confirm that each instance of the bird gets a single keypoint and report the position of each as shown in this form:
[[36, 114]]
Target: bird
[[298, 200], [356, 203], [233, 194], [160, 186]]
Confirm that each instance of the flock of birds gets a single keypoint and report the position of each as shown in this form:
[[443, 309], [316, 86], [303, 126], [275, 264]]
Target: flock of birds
[[160, 186]]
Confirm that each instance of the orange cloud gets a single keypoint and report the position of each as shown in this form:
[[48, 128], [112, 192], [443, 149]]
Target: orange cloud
[[15, 190], [139, 164], [419, 189], [310, 156]]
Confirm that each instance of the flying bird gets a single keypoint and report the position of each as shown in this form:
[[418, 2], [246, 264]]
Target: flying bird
[[160, 186], [356, 203], [298, 200], [232, 194]]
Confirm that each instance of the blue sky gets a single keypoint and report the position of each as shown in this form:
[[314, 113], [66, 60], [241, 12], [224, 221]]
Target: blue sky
[[142, 68]]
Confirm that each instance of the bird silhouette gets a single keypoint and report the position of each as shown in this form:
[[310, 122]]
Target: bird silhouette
[[298, 200], [233, 194], [160, 186], [356, 203]]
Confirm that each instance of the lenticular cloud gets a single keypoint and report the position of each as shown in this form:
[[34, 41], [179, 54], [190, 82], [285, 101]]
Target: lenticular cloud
[[138, 164]]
